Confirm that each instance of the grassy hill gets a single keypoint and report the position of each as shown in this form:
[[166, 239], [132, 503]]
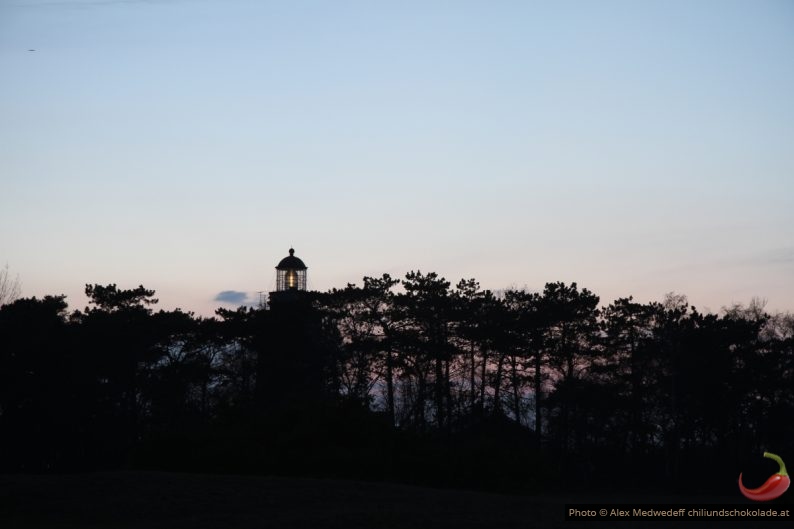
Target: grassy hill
[[133, 500]]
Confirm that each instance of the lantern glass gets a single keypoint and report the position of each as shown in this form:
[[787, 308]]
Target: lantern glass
[[291, 273]]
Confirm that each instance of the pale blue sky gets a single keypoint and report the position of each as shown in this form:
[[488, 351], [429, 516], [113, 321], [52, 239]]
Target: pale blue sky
[[634, 147]]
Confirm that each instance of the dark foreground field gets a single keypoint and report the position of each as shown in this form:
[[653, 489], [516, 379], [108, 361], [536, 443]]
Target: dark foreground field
[[175, 501]]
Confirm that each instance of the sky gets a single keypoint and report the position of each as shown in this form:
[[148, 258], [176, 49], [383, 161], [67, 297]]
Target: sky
[[636, 148]]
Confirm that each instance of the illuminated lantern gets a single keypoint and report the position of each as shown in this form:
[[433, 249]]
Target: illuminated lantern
[[290, 273]]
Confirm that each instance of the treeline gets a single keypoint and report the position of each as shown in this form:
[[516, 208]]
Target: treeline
[[407, 379]]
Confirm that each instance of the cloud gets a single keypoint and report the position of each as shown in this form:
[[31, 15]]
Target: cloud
[[782, 255], [777, 256], [232, 297]]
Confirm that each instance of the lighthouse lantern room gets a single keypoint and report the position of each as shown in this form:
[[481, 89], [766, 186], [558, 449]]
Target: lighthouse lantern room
[[290, 273]]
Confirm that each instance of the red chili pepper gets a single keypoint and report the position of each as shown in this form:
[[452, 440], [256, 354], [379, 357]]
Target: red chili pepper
[[774, 487]]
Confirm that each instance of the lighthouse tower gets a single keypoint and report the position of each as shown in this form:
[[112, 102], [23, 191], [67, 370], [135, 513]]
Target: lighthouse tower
[[294, 360]]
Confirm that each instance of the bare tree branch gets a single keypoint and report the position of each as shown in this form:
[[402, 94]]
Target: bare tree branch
[[9, 288]]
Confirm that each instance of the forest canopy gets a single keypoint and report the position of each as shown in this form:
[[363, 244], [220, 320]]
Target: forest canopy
[[412, 379]]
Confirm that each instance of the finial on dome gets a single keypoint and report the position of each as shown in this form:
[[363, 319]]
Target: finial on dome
[[292, 251]]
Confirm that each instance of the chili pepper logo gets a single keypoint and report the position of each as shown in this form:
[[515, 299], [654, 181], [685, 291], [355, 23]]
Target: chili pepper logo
[[774, 487]]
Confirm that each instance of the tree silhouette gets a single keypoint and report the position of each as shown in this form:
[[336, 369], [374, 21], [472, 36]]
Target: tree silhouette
[[569, 331], [528, 335], [36, 401], [9, 288], [396, 379], [424, 311]]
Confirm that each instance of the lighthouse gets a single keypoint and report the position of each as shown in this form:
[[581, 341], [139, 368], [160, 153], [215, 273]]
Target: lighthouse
[[290, 273]]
